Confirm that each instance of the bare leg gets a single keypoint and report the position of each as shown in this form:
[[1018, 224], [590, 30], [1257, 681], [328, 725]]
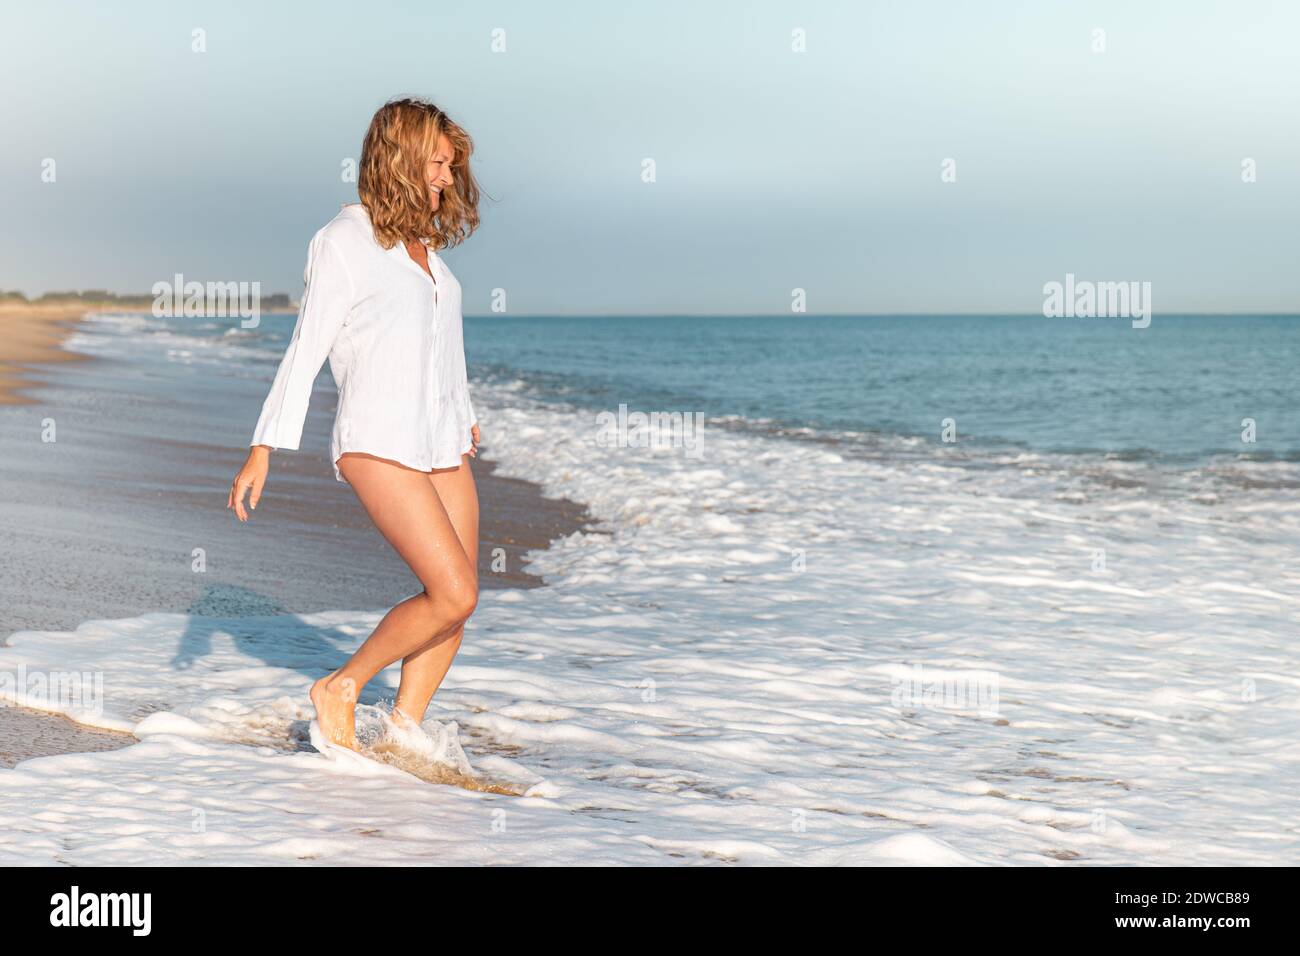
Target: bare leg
[[404, 505], [423, 671]]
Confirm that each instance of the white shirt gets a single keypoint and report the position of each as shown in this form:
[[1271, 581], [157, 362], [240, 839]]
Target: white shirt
[[394, 341]]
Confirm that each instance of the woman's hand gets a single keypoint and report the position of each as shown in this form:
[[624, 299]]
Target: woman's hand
[[252, 475], [476, 438]]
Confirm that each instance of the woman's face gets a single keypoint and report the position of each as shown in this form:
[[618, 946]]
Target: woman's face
[[437, 172]]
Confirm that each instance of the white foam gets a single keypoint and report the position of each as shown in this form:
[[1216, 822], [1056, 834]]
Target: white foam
[[182, 341], [720, 673]]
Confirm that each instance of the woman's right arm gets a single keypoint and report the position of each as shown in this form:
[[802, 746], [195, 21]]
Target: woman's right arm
[[326, 300], [252, 476]]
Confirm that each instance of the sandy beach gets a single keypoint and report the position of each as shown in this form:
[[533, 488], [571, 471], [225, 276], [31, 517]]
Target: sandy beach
[[103, 522], [33, 335]]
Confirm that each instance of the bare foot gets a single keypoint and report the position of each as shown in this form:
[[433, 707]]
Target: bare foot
[[401, 719], [335, 700]]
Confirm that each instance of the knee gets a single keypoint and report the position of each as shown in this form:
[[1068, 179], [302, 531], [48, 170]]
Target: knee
[[464, 600], [452, 603]]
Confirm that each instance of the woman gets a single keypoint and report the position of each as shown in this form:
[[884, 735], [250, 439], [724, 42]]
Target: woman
[[386, 311]]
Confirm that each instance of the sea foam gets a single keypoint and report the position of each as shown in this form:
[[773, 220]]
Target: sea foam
[[779, 653]]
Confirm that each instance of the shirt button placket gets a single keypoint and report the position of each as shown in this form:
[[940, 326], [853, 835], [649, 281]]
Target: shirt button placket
[[433, 371]]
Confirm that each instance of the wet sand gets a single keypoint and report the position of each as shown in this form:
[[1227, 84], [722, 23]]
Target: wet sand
[[32, 335], [28, 733], [125, 513]]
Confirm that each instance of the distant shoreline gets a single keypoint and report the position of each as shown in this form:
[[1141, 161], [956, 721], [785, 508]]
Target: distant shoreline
[[32, 334]]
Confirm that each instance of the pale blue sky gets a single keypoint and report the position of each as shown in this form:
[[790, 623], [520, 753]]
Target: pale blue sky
[[776, 170]]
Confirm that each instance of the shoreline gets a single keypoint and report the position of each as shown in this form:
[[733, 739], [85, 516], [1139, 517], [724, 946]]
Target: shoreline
[[93, 540], [884, 651], [514, 517], [34, 336]]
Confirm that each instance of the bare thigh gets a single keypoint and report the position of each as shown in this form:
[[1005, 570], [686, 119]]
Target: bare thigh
[[404, 505], [459, 496]]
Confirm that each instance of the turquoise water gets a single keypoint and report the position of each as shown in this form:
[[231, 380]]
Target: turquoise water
[[1176, 391]]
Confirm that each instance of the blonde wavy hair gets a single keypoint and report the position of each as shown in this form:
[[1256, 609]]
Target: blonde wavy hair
[[391, 183]]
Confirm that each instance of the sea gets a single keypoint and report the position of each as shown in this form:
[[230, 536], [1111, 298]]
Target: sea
[[914, 589]]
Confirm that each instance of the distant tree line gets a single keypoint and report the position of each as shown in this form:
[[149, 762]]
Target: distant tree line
[[274, 301]]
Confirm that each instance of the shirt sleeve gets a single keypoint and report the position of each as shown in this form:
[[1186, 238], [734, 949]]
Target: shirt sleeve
[[326, 300]]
